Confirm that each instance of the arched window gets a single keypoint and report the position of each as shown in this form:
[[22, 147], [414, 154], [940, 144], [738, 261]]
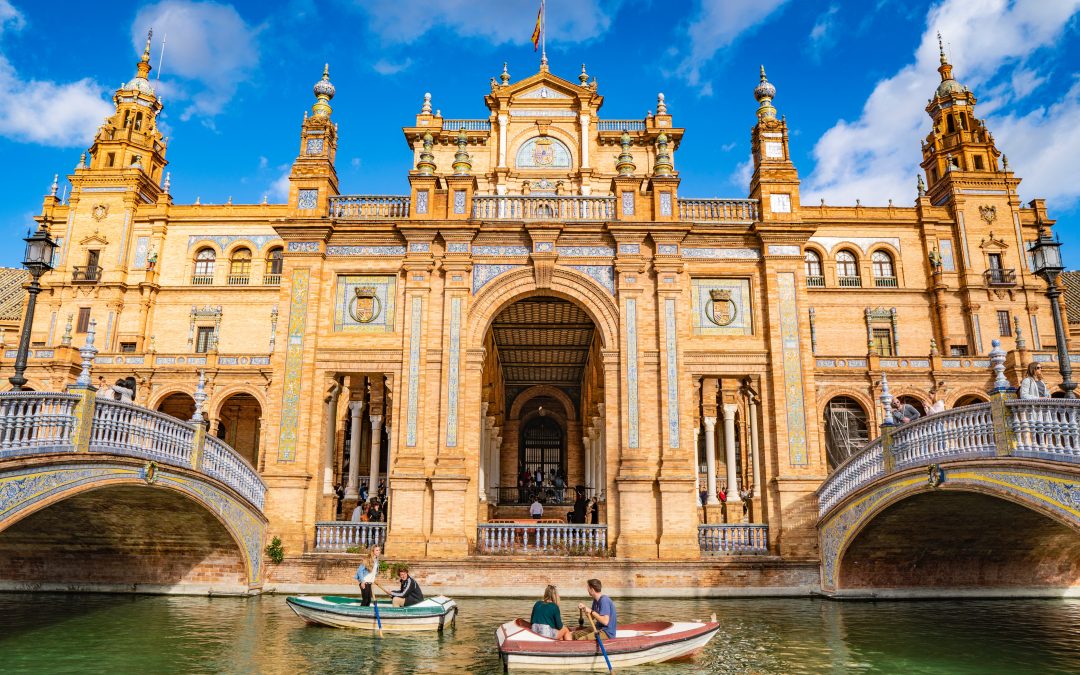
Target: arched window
[[240, 267], [846, 429], [814, 276], [274, 263], [204, 267], [884, 273], [847, 269]]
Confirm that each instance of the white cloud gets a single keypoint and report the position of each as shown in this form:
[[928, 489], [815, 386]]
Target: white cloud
[[388, 67], [823, 34], [718, 24], [279, 189], [42, 111], [263, 162], [876, 157], [209, 47], [497, 21]]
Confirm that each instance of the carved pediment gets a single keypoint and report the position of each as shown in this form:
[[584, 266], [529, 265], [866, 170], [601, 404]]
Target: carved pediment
[[543, 92], [992, 243], [95, 238]]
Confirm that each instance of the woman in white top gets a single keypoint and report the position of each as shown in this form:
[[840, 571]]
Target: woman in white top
[[1033, 385]]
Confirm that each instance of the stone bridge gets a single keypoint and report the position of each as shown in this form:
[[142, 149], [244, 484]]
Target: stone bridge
[[983, 499], [99, 494]]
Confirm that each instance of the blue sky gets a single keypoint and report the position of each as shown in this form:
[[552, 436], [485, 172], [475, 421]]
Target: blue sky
[[852, 77]]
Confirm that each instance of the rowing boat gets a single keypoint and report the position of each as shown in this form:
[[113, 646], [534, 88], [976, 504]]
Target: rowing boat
[[633, 645], [342, 612]]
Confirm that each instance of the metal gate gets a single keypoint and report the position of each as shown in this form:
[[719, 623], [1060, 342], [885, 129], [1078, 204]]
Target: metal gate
[[542, 447]]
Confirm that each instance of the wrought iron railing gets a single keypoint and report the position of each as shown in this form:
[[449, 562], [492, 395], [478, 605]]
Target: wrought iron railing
[[1000, 277], [541, 538], [718, 210], [370, 206], [339, 535], [849, 282], [90, 274], [734, 539], [548, 496], [553, 208]]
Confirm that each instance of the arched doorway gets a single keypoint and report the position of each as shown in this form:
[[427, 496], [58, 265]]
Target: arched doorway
[[542, 447], [846, 429], [913, 401], [970, 399], [179, 405], [239, 425]]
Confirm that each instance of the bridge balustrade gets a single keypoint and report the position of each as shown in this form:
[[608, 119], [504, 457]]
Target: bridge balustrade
[[336, 535], [542, 538], [32, 422], [734, 538], [222, 462], [126, 429]]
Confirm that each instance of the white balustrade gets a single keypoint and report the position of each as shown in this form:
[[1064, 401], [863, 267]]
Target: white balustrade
[[126, 429], [222, 462], [342, 535], [620, 125], [467, 125], [370, 206], [734, 538], [552, 208], [542, 538], [1046, 428], [32, 422], [718, 210]]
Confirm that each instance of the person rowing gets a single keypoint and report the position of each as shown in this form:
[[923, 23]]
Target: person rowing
[[366, 574]]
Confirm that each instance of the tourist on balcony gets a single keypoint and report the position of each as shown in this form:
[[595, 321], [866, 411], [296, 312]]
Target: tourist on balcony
[[363, 492], [581, 505], [375, 513], [536, 510], [904, 412], [546, 617], [602, 613], [937, 405], [366, 573], [357, 513], [104, 390], [409, 594], [1033, 386]]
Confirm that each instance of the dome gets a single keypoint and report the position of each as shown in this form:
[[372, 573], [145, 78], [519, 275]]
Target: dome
[[141, 84], [765, 89], [323, 87], [949, 86]]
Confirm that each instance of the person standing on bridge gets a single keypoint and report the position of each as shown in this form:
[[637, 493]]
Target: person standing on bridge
[[1033, 386], [904, 412]]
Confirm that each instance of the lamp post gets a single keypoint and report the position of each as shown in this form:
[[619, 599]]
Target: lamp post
[[1046, 252], [38, 260]]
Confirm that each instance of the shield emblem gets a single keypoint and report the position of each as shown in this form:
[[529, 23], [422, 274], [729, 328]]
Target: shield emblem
[[365, 306], [544, 152], [100, 211], [988, 213], [721, 309]]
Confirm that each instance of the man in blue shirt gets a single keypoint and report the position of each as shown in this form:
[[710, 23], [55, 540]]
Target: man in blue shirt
[[602, 611]]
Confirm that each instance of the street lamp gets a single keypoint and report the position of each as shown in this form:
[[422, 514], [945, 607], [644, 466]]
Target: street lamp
[[1046, 255], [38, 260]]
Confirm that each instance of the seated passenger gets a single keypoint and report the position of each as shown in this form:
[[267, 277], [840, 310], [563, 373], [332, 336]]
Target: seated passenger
[[546, 618], [410, 593]]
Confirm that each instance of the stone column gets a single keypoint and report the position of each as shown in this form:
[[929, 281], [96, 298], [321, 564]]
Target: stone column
[[376, 451], [494, 479], [331, 439], [503, 120], [697, 466], [754, 451], [710, 460], [589, 463], [482, 463], [352, 488], [601, 455], [584, 117], [729, 455]]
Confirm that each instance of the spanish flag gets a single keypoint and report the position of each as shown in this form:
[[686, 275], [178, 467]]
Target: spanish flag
[[539, 27]]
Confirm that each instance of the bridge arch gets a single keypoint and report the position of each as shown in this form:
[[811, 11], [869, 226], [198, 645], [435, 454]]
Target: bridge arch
[[141, 511]]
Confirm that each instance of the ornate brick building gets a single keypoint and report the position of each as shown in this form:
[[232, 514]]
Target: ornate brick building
[[543, 298]]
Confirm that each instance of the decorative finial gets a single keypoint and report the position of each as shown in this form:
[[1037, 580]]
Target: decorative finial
[[764, 94], [1004, 162], [583, 78], [425, 109], [438, 112], [197, 198], [52, 190], [663, 166], [168, 182], [941, 49], [324, 91], [146, 50], [82, 161], [426, 165], [543, 61], [200, 398], [87, 352], [66, 339], [933, 347], [661, 106], [625, 164], [1020, 342], [886, 401], [997, 358], [229, 201], [921, 185], [505, 77], [462, 161], [265, 199]]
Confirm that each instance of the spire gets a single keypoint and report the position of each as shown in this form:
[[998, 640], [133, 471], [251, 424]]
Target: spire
[[141, 80], [625, 164], [462, 161], [583, 78], [764, 94], [505, 77], [425, 108], [426, 165], [663, 166], [948, 84], [144, 62], [324, 91], [52, 190]]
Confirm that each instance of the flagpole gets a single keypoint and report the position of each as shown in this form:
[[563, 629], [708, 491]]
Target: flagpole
[[543, 33]]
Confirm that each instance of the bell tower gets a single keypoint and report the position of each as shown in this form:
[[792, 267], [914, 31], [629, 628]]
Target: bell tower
[[314, 179], [129, 145], [775, 181], [959, 143]]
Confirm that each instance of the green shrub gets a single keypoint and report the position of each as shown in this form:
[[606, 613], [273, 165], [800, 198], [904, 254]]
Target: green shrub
[[274, 551]]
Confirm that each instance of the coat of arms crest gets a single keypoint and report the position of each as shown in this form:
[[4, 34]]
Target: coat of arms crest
[[721, 309], [100, 211], [988, 213], [544, 152], [365, 306]]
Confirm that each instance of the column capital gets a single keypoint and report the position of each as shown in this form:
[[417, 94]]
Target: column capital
[[730, 409], [710, 422], [376, 421], [356, 407]]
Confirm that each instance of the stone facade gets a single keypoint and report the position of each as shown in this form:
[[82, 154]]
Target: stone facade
[[543, 297]]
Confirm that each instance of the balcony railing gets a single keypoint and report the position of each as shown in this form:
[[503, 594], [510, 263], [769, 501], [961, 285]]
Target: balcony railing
[[569, 208], [1000, 277], [341, 535], [620, 125], [467, 125], [271, 280], [202, 280], [885, 282], [815, 282], [541, 538], [549, 496], [90, 274], [849, 282], [734, 539], [718, 210], [238, 279], [33, 423], [370, 206]]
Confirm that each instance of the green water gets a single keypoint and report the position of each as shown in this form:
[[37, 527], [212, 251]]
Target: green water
[[58, 633]]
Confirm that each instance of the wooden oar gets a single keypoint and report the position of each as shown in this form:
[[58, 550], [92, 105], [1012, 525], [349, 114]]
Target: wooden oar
[[600, 642]]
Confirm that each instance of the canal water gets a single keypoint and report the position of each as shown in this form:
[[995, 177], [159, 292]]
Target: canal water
[[67, 633]]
